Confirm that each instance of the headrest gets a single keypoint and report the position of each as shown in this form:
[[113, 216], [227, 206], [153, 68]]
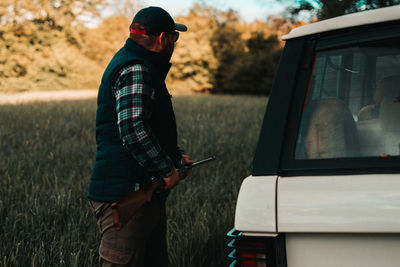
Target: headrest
[[387, 87], [389, 114]]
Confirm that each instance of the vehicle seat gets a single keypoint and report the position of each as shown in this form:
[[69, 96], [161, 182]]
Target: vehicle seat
[[389, 114], [332, 131], [389, 119], [387, 87], [378, 125], [381, 136], [370, 137]]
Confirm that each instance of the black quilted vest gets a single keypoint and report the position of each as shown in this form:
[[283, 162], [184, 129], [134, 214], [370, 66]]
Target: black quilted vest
[[115, 171]]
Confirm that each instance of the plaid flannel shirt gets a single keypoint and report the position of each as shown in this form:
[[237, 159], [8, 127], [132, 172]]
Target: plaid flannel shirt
[[134, 103]]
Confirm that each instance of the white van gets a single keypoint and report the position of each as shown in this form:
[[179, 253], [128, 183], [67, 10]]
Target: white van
[[325, 185]]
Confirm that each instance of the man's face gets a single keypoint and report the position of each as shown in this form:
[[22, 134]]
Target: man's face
[[169, 48]]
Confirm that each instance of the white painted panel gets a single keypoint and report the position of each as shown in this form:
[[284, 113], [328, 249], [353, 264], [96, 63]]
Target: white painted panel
[[342, 250], [342, 204], [255, 207], [347, 21]]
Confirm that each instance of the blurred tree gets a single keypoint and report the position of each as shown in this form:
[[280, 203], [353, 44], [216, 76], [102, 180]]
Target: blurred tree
[[263, 58], [213, 45], [40, 42], [228, 48], [104, 41], [244, 67], [56, 13], [127, 8], [325, 9], [45, 46], [193, 59]]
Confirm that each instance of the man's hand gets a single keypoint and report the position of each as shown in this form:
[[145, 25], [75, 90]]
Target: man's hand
[[175, 177], [171, 180], [188, 162]]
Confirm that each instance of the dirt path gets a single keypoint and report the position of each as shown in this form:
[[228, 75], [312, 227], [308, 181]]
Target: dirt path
[[45, 96]]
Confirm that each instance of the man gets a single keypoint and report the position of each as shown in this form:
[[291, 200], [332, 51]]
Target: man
[[136, 139]]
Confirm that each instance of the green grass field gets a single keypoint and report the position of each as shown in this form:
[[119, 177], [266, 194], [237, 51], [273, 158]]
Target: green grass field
[[47, 152]]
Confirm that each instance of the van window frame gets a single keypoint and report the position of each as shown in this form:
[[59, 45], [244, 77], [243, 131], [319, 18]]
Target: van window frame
[[362, 165]]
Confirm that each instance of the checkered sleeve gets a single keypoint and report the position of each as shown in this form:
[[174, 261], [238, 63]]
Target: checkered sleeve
[[134, 103]]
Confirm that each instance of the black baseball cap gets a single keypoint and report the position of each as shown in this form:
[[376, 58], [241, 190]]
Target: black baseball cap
[[156, 20]]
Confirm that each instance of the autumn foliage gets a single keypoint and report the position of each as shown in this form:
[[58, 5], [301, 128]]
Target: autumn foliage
[[44, 45]]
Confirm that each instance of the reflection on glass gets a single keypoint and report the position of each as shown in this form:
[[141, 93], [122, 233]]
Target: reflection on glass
[[353, 104]]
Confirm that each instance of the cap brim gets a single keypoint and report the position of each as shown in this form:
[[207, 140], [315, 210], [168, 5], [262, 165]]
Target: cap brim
[[180, 27]]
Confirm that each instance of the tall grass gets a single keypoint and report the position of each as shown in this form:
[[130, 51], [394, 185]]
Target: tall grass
[[47, 152]]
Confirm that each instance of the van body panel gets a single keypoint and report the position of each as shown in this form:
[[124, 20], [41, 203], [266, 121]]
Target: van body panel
[[339, 204], [255, 207]]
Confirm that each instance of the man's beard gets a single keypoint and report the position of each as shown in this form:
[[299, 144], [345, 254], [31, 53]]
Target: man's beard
[[168, 51]]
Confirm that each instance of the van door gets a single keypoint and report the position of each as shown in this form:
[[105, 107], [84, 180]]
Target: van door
[[338, 191]]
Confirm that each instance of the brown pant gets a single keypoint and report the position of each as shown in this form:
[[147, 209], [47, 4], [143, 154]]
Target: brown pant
[[141, 242]]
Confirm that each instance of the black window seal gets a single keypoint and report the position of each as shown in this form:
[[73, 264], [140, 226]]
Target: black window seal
[[361, 34], [267, 155]]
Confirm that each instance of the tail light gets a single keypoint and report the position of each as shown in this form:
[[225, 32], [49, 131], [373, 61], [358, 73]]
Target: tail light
[[251, 251]]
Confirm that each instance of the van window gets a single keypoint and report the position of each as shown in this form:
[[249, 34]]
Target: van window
[[352, 108]]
